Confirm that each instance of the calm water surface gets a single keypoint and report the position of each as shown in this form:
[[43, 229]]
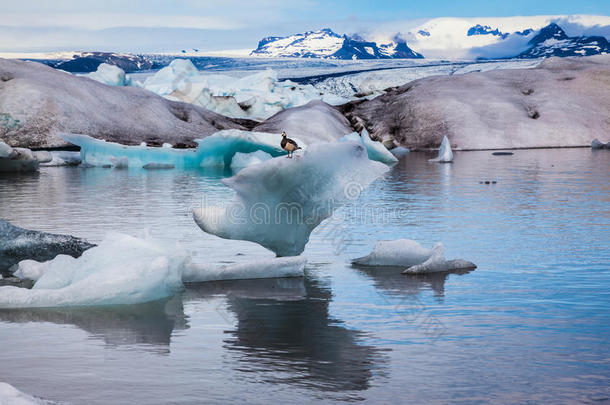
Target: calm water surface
[[530, 325]]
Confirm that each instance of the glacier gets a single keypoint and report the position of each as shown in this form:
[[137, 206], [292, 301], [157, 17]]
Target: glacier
[[445, 154], [218, 149], [280, 201]]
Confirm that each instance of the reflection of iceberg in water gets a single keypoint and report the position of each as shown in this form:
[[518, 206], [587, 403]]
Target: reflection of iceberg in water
[[150, 324], [391, 281], [284, 334]]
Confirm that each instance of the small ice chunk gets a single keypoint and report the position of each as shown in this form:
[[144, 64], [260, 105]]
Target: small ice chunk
[[280, 201], [241, 160], [597, 144], [10, 395], [17, 159], [437, 263], [400, 253], [445, 155], [31, 269], [400, 151], [43, 156], [110, 75], [5, 150], [63, 158], [120, 270], [270, 268]]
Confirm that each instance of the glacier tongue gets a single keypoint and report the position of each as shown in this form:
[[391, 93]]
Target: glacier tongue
[[280, 201]]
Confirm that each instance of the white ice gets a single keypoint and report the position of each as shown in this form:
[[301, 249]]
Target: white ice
[[10, 395], [121, 270], [241, 160], [110, 75], [400, 151], [374, 149], [437, 263], [256, 96], [270, 268], [215, 150], [399, 253], [445, 155], [19, 159], [63, 158], [280, 201]]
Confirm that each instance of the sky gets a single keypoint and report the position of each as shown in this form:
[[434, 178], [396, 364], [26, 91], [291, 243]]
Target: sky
[[168, 26]]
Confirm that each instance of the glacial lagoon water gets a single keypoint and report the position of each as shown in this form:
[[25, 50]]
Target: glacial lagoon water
[[530, 325]]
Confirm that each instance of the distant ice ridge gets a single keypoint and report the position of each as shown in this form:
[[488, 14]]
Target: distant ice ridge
[[10, 395], [410, 254], [445, 154], [124, 269], [218, 149], [257, 96], [280, 201]]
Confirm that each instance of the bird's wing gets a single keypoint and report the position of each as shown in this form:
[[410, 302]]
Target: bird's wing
[[290, 141]]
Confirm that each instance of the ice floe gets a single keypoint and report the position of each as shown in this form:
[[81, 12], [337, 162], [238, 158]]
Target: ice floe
[[437, 263], [445, 154], [399, 253], [121, 270], [280, 201], [215, 150], [269, 268], [10, 395]]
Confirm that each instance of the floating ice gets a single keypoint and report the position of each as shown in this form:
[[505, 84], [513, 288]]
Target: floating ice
[[17, 159], [400, 253], [437, 263], [375, 150], [241, 160], [215, 150], [17, 244], [445, 155], [63, 158], [10, 395], [110, 75], [279, 202], [400, 151], [270, 268], [121, 270], [597, 144], [257, 96]]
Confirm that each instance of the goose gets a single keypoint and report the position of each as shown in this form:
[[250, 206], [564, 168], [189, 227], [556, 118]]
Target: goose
[[288, 145]]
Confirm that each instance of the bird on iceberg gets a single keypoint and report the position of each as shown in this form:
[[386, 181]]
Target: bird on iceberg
[[288, 145]]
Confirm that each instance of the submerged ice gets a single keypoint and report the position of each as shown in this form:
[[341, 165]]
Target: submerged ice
[[280, 201]]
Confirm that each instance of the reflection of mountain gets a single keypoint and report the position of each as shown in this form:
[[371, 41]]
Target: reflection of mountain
[[148, 324], [391, 280], [290, 338]]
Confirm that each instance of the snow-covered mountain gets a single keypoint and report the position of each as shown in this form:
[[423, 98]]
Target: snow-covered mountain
[[553, 41], [496, 37], [325, 43]]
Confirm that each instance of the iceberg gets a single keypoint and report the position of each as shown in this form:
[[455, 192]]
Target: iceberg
[[10, 395], [17, 244], [270, 268], [597, 144], [110, 75], [280, 201], [436, 263], [256, 96], [445, 155], [63, 158], [215, 150], [396, 253], [18, 159], [120, 270], [374, 149]]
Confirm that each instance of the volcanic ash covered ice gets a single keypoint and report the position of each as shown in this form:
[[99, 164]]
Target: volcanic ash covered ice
[[445, 155], [279, 202]]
